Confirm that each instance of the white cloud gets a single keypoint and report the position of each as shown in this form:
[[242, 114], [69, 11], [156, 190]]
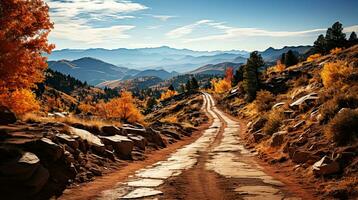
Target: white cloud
[[73, 19], [350, 29], [161, 17], [185, 30]]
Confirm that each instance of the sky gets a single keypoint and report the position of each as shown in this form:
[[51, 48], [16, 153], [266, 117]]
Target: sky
[[205, 25]]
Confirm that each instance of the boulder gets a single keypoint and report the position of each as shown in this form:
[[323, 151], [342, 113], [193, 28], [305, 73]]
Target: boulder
[[258, 124], [277, 105], [127, 129], [7, 116], [277, 138], [170, 134], [22, 176], [258, 136], [46, 149], [122, 145], [70, 140], [310, 97], [300, 156], [139, 141], [110, 131], [94, 141], [325, 166], [59, 115]]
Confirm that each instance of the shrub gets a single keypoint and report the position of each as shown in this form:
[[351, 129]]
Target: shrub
[[333, 72], [335, 50], [331, 107], [168, 94], [274, 121], [20, 101], [264, 101], [313, 57], [343, 127], [86, 108]]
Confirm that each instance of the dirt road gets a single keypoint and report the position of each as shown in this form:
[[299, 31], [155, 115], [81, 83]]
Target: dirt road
[[215, 166]]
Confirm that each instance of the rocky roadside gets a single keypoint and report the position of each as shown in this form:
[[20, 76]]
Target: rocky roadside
[[40, 160]]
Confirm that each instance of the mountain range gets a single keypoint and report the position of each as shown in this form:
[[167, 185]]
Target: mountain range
[[100, 65]]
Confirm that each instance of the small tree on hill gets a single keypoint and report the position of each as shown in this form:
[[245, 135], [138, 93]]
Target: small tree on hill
[[290, 59], [353, 39], [194, 84], [251, 75], [320, 45], [171, 87], [238, 76]]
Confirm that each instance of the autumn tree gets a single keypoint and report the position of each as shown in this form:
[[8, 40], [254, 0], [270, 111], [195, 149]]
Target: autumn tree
[[251, 75], [24, 27]]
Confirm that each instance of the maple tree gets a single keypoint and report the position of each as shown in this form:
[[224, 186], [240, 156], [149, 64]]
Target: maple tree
[[24, 28]]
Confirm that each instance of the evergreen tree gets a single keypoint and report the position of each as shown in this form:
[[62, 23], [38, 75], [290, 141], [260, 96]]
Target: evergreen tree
[[335, 36], [171, 87], [320, 45], [238, 76], [250, 75], [353, 39], [194, 84], [290, 59], [150, 104], [188, 85]]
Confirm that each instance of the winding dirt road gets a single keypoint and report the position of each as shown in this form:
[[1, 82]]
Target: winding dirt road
[[215, 166]]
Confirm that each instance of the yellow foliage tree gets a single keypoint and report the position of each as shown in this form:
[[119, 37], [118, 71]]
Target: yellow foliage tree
[[335, 71], [122, 107], [220, 86], [168, 94], [86, 108], [313, 57], [20, 101]]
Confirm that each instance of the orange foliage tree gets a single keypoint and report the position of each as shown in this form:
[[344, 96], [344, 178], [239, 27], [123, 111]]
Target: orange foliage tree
[[121, 107], [224, 85], [24, 27], [168, 94], [313, 57], [21, 101]]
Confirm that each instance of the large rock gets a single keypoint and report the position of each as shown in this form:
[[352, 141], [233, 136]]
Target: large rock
[[325, 166], [171, 134], [93, 141], [277, 138], [258, 124], [7, 116], [300, 156], [45, 149], [139, 141], [127, 129], [70, 140], [150, 134], [122, 145], [308, 98], [110, 131], [22, 176]]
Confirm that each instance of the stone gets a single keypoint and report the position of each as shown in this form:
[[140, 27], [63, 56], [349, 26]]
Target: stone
[[139, 141], [122, 145], [325, 166], [258, 124], [310, 97], [94, 141], [301, 156], [127, 129], [96, 171], [141, 193], [277, 105], [59, 115], [70, 140], [258, 136], [171, 134], [110, 131], [277, 138], [7, 116]]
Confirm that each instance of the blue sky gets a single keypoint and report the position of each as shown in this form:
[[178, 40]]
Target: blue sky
[[196, 24]]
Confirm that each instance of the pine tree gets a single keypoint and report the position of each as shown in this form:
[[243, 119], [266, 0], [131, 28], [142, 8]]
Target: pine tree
[[188, 85], [335, 36], [238, 76], [353, 39], [194, 84], [171, 87], [250, 75], [290, 59], [320, 45]]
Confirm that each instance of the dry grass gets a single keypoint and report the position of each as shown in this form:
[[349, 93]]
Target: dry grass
[[334, 72], [70, 120], [170, 119], [264, 101], [313, 57], [343, 127], [274, 121]]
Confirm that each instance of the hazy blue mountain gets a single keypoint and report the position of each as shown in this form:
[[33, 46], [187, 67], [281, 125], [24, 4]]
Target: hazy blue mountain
[[151, 58], [215, 69], [161, 73], [271, 54]]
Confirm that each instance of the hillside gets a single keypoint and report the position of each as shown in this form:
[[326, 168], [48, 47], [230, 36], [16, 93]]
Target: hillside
[[216, 69], [304, 120], [271, 54]]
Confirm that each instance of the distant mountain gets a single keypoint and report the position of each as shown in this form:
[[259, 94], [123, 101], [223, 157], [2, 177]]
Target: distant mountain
[[217, 69], [158, 73], [271, 54], [132, 84], [151, 58], [92, 70]]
